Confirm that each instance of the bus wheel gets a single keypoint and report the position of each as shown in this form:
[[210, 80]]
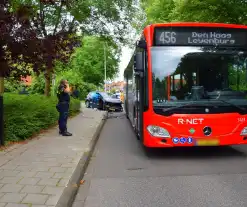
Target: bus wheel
[[147, 150]]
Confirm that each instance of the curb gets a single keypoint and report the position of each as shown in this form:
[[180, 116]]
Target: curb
[[69, 193]]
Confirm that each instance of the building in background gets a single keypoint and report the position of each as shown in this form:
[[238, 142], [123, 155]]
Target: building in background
[[115, 86], [27, 80]]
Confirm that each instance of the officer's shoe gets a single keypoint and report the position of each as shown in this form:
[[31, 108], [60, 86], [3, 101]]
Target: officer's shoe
[[66, 134]]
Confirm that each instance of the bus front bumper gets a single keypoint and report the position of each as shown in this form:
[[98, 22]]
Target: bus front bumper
[[190, 141]]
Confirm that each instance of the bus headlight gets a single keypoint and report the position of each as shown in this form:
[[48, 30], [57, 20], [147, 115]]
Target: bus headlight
[[244, 132], [157, 131]]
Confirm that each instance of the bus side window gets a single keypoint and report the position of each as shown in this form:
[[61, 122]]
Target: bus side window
[[133, 81], [145, 98]]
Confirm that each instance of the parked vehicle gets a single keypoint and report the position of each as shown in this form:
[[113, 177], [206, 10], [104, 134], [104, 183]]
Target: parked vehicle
[[89, 99], [116, 96], [105, 102]]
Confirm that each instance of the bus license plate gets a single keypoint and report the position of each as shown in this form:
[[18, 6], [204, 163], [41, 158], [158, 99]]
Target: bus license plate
[[208, 142], [112, 109]]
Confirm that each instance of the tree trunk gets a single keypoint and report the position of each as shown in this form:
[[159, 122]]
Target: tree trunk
[[3, 68], [1, 84], [48, 82], [48, 74]]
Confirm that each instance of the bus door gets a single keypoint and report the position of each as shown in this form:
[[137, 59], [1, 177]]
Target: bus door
[[139, 94], [137, 104]]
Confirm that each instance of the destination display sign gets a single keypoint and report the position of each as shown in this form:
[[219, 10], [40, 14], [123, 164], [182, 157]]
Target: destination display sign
[[168, 36]]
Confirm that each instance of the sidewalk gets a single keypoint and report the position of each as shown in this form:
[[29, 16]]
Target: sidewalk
[[45, 171]]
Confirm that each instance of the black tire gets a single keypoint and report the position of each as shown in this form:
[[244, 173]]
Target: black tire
[[87, 104], [147, 150]]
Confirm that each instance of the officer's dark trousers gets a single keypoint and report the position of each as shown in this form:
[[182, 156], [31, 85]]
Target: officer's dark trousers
[[63, 116]]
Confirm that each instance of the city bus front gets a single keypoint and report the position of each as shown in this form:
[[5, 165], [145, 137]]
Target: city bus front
[[198, 91]]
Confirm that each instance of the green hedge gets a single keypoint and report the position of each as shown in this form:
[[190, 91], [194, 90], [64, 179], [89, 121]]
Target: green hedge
[[26, 115]]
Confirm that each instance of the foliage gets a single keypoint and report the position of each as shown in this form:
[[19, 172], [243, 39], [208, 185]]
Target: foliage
[[84, 88], [26, 115], [75, 79], [113, 90], [224, 11], [158, 10], [13, 39], [12, 85], [38, 84], [88, 60], [56, 22]]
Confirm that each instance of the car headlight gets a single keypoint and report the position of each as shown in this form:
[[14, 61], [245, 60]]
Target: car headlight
[[244, 132], [157, 131]]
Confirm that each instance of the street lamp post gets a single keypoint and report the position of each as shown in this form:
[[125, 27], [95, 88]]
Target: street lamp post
[[105, 64], [54, 83]]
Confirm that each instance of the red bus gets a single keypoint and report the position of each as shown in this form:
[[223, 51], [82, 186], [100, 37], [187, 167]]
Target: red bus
[[186, 85]]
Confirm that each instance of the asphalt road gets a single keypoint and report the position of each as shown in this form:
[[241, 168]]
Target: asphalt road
[[120, 174]]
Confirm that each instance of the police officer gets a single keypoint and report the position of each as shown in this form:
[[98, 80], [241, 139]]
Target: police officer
[[63, 107]]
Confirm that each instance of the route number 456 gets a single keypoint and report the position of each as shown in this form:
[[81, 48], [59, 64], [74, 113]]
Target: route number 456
[[168, 37]]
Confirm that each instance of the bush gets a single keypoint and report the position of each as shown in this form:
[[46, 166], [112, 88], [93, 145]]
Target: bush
[[12, 85], [38, 84], [85, 88], [26, 115]]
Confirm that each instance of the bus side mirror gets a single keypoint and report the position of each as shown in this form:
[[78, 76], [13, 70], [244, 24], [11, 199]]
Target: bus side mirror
[[142, 44], [139, 62]]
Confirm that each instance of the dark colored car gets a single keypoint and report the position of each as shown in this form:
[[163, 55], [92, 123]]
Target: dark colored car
[[106, 102], [89, 99], [117, 96]]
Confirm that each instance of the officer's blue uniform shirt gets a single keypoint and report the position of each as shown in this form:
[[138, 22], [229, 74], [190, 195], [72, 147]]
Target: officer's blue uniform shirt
[[62, 96]]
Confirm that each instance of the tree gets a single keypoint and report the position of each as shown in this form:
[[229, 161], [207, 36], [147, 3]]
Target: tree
[[88, 60], [226, 11], [15, 31], [158, 10], [85, 67], [56, 22]]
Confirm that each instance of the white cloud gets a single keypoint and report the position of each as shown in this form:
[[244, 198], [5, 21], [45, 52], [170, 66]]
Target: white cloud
[[125, 58], [127, 53]]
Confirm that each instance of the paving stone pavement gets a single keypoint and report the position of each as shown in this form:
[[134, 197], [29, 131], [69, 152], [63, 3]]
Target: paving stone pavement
[[36, 173]]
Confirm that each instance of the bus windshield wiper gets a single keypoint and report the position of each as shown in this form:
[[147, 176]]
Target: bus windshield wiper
[[234, 105], [177, 107]]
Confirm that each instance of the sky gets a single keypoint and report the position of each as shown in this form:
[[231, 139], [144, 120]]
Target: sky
[[125, 58], [127, 53]]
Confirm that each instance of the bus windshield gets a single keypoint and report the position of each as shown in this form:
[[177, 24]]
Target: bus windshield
[[199, 76]]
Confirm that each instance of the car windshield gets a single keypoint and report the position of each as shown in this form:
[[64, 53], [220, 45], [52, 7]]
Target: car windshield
[[104, 95], [185, 75]]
